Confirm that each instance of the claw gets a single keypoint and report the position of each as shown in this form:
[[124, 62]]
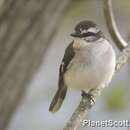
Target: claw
[[89, 96]]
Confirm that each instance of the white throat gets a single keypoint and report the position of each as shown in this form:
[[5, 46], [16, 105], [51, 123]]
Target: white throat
[[79, 42]]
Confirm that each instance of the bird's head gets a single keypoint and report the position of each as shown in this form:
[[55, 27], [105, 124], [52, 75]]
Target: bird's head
[[87, 30]]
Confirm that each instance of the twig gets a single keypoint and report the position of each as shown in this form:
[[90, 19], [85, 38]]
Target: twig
[[86, 104], [79, 114], [110, 21], [123, 58]]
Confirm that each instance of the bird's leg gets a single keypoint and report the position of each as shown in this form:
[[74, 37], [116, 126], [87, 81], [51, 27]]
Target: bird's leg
[[89, 96]]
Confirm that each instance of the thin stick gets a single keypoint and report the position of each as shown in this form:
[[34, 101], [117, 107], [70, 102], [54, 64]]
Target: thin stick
[[112, 27]]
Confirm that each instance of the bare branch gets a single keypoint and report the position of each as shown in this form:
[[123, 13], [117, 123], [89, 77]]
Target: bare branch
[[108, 13], [86, 104], [79, 114], [123, 58]]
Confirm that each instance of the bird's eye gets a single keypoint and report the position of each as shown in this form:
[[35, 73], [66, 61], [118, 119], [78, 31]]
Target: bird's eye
[[84, 39]]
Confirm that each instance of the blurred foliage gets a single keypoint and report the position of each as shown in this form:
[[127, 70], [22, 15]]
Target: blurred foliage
[[115, 99], [77, 10], [124, 4]]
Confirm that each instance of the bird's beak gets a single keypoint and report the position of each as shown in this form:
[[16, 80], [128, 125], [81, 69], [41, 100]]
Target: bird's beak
[[75, 34]]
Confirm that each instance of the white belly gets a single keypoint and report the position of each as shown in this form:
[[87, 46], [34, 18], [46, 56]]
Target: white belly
[[80, 79], [90, 71]]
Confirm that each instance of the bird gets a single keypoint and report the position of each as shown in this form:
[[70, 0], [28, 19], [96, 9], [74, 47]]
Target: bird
[[87, 65]]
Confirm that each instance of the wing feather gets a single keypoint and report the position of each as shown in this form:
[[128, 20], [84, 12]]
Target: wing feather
[[69, 54]]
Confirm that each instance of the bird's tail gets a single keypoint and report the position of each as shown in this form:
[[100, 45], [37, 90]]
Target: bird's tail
[[58, 99]]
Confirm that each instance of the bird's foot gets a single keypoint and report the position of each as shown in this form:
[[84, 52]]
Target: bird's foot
[[89, 96]]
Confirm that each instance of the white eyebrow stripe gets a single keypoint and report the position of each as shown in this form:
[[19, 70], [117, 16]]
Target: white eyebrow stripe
[[93, 30]]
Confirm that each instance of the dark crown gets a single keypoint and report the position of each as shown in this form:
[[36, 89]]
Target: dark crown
[[86, 29], [85, 25]]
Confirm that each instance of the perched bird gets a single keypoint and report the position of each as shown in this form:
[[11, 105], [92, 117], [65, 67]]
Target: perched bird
[[88, 63]]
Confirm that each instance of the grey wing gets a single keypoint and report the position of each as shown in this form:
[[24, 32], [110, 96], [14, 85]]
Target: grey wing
[[62, 89], [69, 54]]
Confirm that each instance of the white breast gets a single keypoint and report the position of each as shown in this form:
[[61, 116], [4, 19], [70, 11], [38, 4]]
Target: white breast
[[92, 66]]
